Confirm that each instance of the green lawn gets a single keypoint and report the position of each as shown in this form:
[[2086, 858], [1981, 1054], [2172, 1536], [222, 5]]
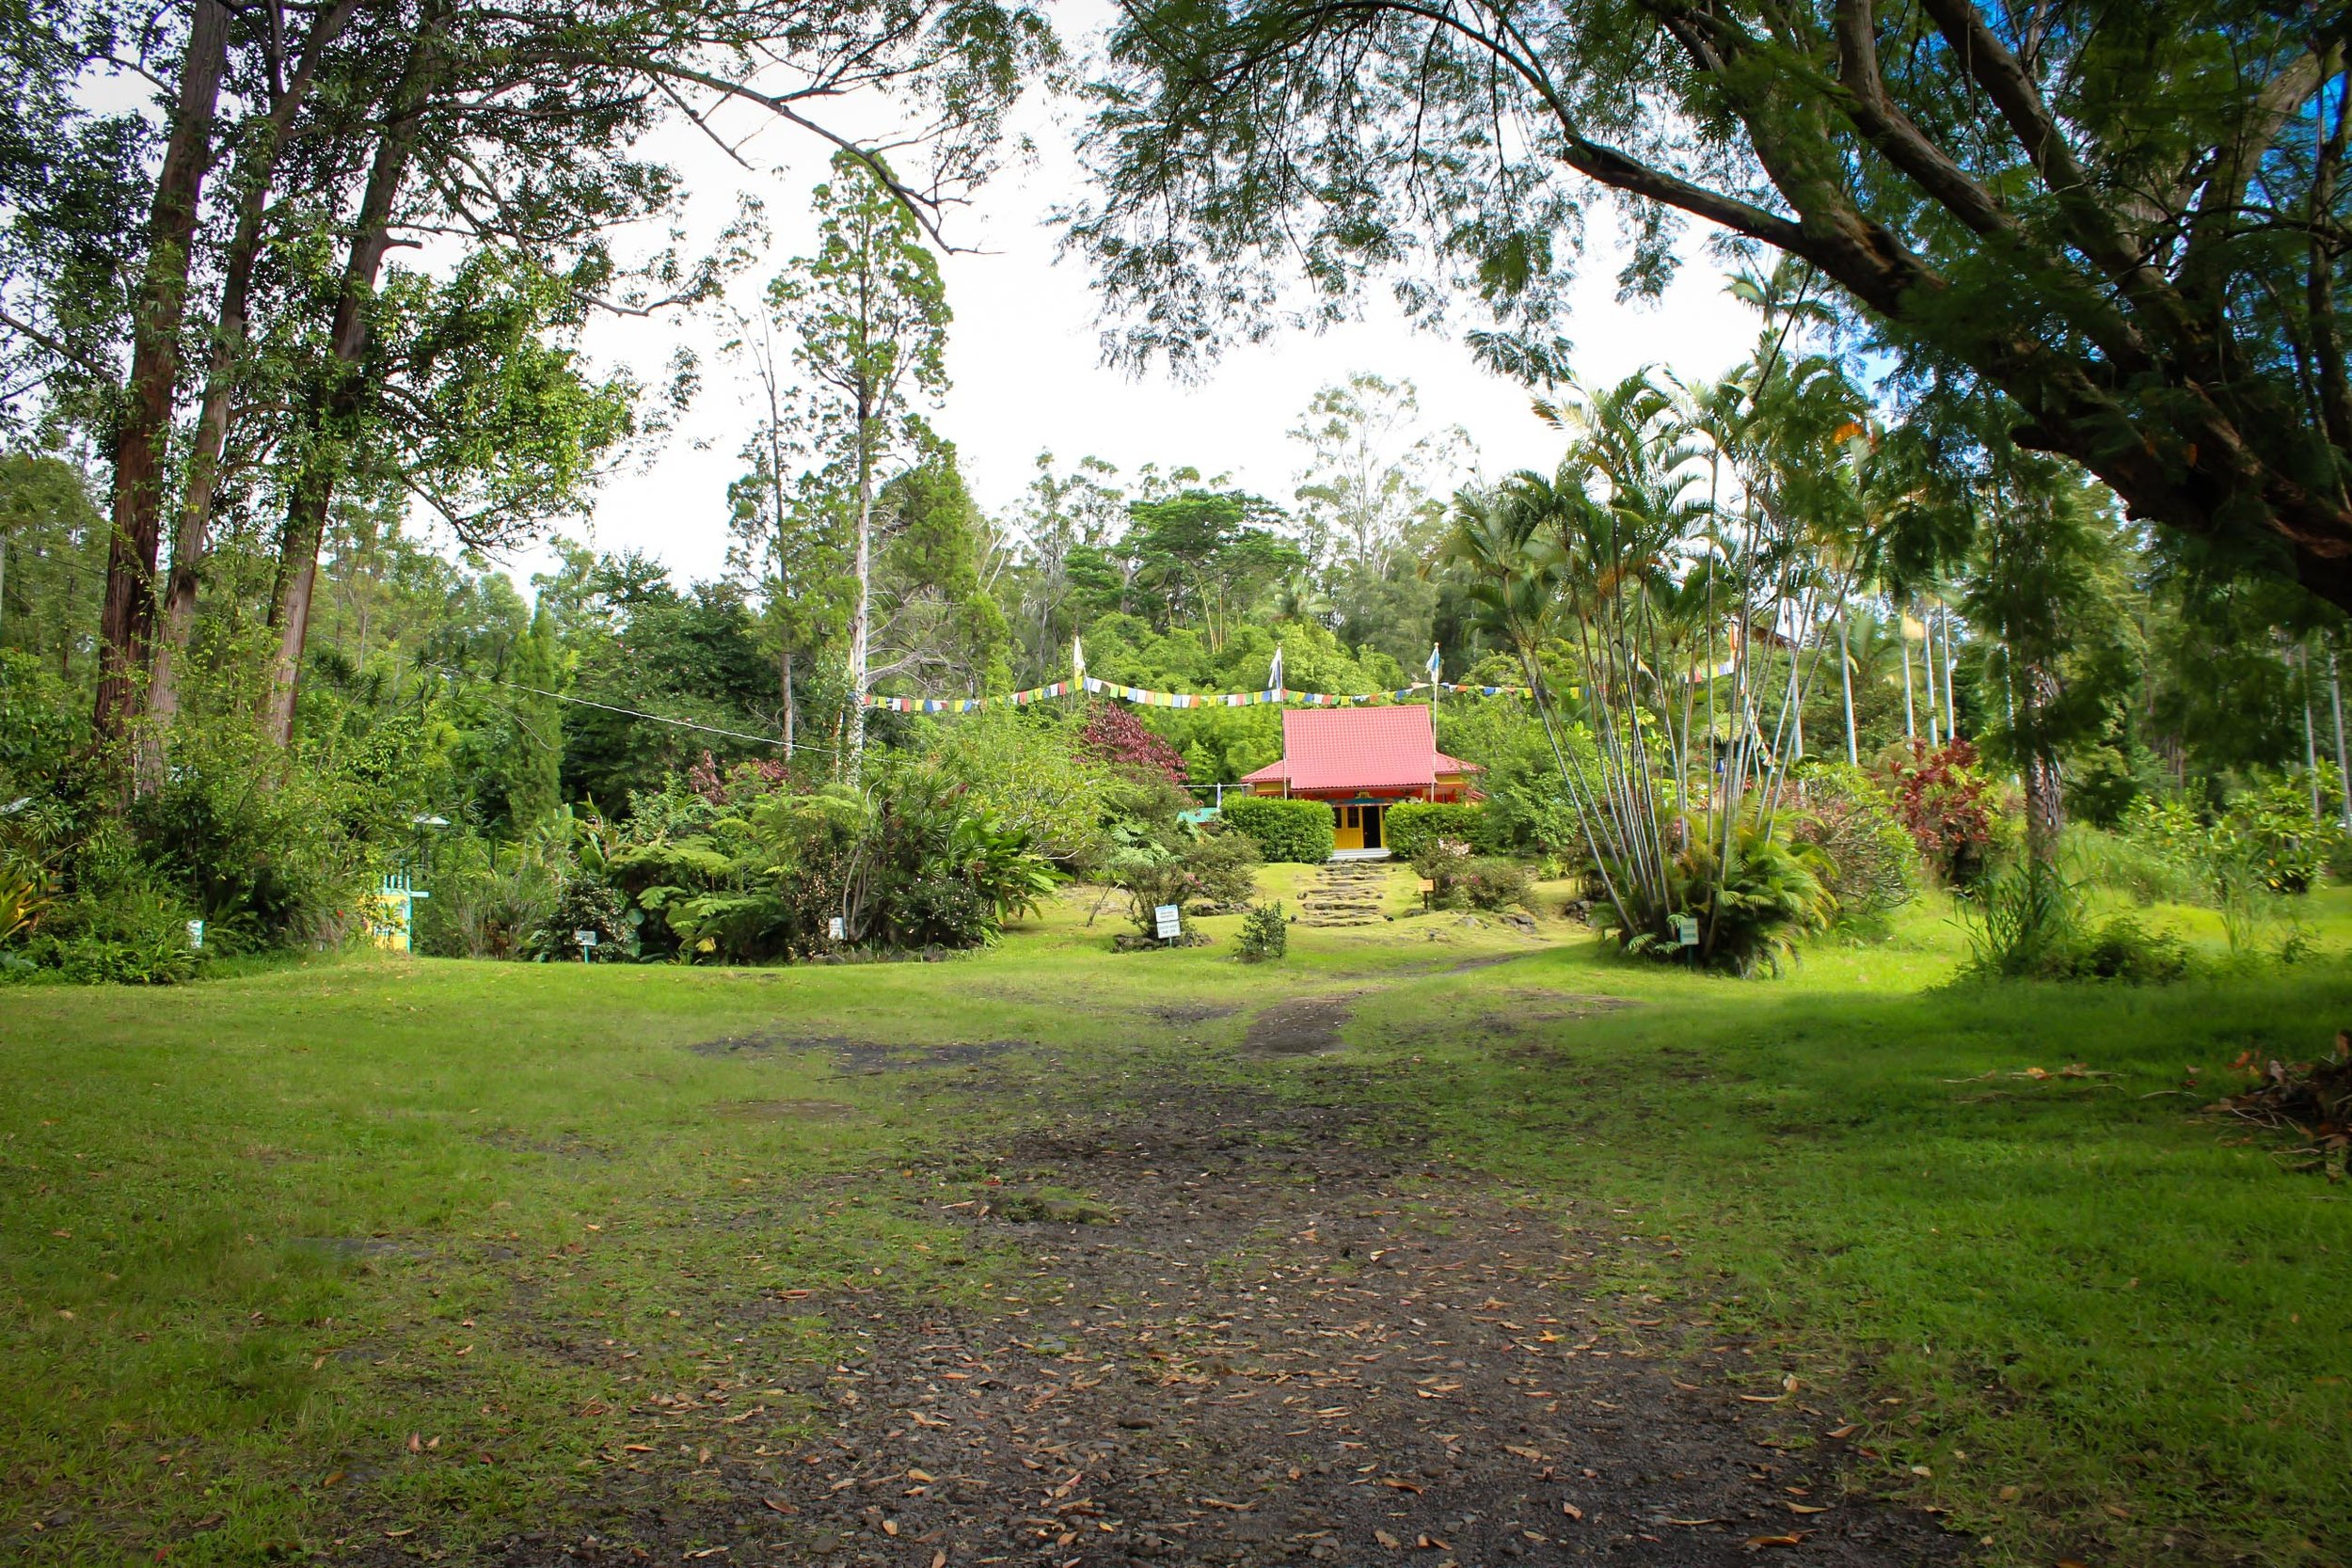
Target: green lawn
[[260, 1231]]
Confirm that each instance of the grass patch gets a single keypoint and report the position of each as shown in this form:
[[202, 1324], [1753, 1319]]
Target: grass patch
[[260, 1232]]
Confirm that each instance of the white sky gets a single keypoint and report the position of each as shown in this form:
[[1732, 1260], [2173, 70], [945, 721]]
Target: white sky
[[1028, 377]]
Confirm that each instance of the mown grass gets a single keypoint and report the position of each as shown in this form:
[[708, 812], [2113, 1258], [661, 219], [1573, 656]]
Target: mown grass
[[261, 1231]]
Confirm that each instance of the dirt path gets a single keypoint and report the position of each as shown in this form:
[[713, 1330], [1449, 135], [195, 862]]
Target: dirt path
[[1251, 1334]]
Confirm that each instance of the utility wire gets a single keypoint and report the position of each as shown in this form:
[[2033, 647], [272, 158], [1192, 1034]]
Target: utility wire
[[630, 712]]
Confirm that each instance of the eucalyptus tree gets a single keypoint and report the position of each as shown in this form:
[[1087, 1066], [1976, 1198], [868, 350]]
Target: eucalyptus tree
[[2122, 217], [870, 314], [289, 70], [1370, 463], [1066, 518], [367, 125]]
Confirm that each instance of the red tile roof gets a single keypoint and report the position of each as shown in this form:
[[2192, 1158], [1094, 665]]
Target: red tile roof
[[1359, 747]]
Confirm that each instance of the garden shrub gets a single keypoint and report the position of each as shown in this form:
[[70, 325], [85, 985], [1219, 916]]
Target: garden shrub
[[2269, 830], [1152, 875], [1298, 832], [919, 867], [1412, 826], [119, 924], [2029, 921], [1264, 933], [1869, 863], [1949, 806], [1224, 867], [588, 902], [1460, 879], [2264, 840], [1749, 914]]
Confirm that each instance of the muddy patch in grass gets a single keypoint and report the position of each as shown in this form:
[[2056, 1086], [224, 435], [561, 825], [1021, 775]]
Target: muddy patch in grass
[[1303, 1341], [1305, 1027], [783, 1110], [767, 1042], [869, 1058], [856, 1056], [514, 1140], [1177, 1014]]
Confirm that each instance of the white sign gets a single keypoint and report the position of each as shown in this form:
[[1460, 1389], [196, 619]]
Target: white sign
[[1687, 930], [586, 938], [195, 934], [835, 929], [1171, 921]]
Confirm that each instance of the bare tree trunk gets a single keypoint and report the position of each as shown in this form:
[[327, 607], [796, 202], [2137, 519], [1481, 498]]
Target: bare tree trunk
[[1845, 673], [2310, 737], [861, 622], [1911, 717], [2343, 773], [1951, 662], [791, 713], [2045, 798], [336, 398], [1926, 667], [127, 619], [190, 538]]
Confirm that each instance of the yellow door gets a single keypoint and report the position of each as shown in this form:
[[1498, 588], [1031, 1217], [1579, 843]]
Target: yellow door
[[1349, 832]]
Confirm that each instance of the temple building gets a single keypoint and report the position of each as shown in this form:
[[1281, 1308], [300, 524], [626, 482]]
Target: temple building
[[1362, 761]]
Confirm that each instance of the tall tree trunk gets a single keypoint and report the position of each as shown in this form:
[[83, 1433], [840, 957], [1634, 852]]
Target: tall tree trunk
[[191, 536], [127, 620], [1926, 667], [1845, 673], [336, 397], [791, 713], [2045, 798], [2343, 773], [1951, 662], [1911, 717], [860, 620], [2311, 739]]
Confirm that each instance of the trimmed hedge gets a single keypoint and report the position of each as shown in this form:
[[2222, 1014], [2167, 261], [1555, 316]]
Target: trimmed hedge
[[1410, 826], [1297, 830]]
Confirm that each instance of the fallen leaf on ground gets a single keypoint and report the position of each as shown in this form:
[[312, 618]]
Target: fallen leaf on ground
[[1391, 1541], [1805, 1508], [1572, 1510], [1756, 1542]]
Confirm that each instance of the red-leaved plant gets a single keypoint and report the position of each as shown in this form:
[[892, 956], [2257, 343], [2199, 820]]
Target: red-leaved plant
[[1946, 803], [1114, 735]]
